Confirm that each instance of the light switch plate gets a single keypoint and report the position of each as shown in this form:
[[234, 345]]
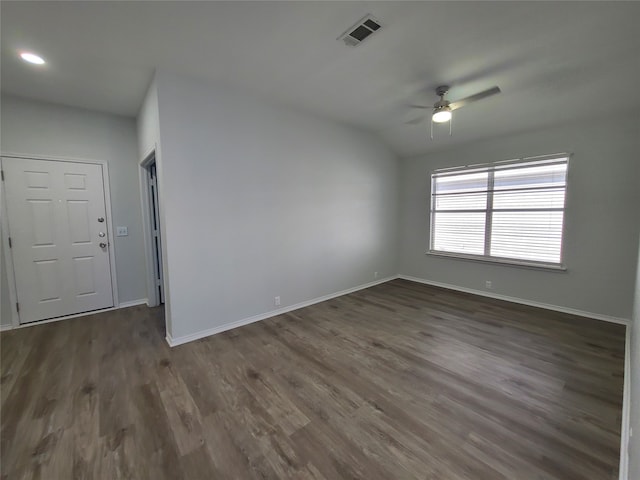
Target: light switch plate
[[122, 231]]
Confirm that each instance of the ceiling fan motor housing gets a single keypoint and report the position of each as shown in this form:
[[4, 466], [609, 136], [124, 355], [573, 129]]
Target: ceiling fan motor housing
[[442, 90], [441, 104]]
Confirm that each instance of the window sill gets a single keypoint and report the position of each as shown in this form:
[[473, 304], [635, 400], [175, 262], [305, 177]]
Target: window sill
[[500, 261]]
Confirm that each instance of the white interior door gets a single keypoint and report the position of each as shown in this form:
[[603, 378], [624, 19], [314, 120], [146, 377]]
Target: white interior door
[[59, 237]]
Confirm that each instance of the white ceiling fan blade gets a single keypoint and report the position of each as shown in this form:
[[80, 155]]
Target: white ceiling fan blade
[[421, 106], [474, 98]]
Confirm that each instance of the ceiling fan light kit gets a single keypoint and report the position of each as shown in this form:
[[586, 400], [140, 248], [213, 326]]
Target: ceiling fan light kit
[[442, 109], [441, 115]]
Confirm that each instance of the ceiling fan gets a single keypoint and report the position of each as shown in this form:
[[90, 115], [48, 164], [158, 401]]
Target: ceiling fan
[[442, 108]]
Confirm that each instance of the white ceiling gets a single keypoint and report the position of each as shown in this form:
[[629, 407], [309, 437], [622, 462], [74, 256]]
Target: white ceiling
[[554, 61]]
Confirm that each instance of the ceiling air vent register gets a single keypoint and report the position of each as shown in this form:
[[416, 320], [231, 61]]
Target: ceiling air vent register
[[363, 29]]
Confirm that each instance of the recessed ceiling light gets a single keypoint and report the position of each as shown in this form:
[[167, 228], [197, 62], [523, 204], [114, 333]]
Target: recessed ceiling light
[[32, 58]]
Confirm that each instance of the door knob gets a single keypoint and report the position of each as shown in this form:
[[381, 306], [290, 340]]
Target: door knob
[[101, 234], [101, 219], [103, 245]]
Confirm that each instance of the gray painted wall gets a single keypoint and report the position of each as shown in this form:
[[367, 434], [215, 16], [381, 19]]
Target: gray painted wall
[[148, 122], [634, 376], [261, 201], [601, 222], [37, 128]]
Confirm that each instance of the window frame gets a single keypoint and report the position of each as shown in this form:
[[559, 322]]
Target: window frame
[[490, 168]]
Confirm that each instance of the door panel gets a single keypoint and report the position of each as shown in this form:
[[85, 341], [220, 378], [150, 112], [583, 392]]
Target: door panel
[[42, 222], [79, 223], [85, 272], [37, 179], [54, 210], [47, 273], [74, 181]]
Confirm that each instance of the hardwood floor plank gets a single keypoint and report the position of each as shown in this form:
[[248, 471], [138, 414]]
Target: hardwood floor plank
[[155, 443], [231, 456], [198, 464], [401, 380], [334, 456], [180, 408]]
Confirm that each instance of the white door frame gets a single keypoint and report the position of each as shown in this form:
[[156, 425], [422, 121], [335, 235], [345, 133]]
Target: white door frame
[[153, 299], [15, 316]]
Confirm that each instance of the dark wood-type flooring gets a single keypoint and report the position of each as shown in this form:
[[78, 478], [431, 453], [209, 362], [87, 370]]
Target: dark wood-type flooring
[[399, 381]]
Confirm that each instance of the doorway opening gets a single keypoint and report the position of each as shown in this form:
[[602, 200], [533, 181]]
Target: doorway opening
[[155, 249]]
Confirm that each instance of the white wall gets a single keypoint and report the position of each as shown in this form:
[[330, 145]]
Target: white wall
[[601, 218], [148, 122], [261, 201], [36, 128]]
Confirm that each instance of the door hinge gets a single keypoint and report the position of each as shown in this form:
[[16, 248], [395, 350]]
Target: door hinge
[[18, 307], [2, 174], [9, 242]]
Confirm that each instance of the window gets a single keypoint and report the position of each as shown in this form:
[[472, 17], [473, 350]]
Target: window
[[508, 212]]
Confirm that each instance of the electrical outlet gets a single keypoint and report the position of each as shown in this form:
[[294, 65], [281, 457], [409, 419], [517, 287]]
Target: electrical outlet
[[276, 300], [122, 231], [375, 275], [488, 284]]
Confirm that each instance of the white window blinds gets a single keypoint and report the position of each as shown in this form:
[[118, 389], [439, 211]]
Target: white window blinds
[[511, 211]]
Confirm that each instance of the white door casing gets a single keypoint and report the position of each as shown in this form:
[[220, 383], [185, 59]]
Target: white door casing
[[53, 211]]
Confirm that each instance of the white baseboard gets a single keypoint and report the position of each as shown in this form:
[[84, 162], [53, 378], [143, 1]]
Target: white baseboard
[[174, 342], [133, 303], [522, 301], [4, 327], [626, 407], [140, 301]]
